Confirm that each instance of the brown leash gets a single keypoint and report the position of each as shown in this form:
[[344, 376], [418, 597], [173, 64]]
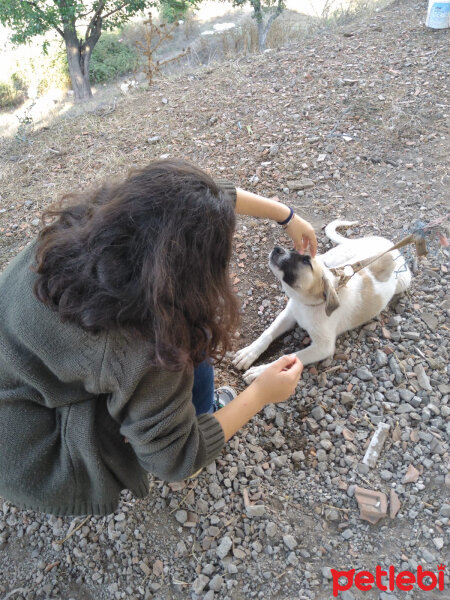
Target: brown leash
[[346, 272]]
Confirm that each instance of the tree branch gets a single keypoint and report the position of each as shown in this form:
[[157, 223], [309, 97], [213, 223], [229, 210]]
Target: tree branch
[[42, 15], [274, 15], [115, 10], [93, 23]]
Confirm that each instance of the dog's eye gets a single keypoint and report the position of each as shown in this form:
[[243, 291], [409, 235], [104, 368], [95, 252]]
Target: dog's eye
[[306, 259]]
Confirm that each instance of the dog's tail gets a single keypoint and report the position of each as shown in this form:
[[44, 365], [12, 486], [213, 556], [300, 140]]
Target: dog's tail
[[330, 230]]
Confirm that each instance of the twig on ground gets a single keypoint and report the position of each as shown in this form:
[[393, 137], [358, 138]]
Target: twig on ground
[[73, 531]]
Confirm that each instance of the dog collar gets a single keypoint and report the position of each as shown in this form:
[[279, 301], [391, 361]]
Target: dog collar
[[320, 303]]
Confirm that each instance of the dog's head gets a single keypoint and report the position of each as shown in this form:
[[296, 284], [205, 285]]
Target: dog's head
[[303, 278]]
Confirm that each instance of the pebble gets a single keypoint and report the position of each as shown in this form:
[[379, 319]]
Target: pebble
[[200, 583], [318, 413], [181, 516], [428, 556], [422, 378], [290, 541], [364, 374], [380, 358], [271, 529], [216, 583], [255, 510], [224, 547], [347, 534]]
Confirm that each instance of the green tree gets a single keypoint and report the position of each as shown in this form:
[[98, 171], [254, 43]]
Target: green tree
[[176, 9], [264, 12], [28, 18]]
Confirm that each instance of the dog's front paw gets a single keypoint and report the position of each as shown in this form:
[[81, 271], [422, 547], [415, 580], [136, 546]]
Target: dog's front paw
[[253, 373], [245, 357]]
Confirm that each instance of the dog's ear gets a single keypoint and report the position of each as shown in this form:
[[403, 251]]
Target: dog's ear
[[331, 297]]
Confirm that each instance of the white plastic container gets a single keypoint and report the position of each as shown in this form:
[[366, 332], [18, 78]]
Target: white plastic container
[[438, 15]]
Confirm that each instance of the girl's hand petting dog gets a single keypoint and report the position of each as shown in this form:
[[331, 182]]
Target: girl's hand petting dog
[[302, 234]]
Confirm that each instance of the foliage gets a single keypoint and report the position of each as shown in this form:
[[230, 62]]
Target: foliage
[[30, 18], [262, 6], [111, 58], [9, 96], [27, 73], [36, 17], [171, 10]]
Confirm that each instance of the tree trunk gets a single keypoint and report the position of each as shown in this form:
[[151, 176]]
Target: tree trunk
[[77, 67], [263, 30], [262, 36], [78, 58]]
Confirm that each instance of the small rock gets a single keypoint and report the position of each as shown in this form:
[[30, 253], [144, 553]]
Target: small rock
[[363, 468], [347, 534], [255, 510], [181, 516], [386, 475], [364, 374], [298, 456], [318, 413], [445, 511], [331, 514], [326, 445], [271, 529], [428, 556], [422, 378], [326, 572], [438, 542], [380, 358], [411, 335], [216, 583], [394, 504], [430, 320], [347, 398], [300, 184], [412, 475], [405, 395], [274, 149], [200, 583], [290, 541], [372, 505], [215, 490], [158, 568], [224, 547]]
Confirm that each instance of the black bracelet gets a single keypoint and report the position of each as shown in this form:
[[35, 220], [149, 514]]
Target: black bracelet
[[288, 220]]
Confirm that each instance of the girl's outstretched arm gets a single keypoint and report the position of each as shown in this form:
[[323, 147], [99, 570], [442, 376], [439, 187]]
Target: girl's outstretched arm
[[301, 231]]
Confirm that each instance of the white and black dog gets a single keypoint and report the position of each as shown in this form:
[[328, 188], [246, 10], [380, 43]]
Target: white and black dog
[[315, 303]]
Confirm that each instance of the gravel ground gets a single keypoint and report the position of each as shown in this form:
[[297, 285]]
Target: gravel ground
[[359, 113]]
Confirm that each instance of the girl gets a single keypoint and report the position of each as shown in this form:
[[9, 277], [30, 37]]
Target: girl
[[109, 323]]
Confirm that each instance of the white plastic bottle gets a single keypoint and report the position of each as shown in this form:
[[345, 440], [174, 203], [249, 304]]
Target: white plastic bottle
[[438, 15]]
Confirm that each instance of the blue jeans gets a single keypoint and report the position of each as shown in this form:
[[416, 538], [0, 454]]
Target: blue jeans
[[203, 388]]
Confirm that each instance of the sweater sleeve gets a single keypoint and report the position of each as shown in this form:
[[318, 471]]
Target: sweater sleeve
[[229, 188], [156, 415]]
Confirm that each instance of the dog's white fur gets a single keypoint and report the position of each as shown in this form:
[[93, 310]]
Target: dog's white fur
[[316, 305]]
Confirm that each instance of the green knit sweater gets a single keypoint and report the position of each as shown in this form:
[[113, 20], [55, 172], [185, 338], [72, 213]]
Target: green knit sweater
[[68, 401]]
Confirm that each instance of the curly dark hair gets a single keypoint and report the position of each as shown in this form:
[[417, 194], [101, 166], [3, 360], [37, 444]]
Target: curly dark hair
[[150, 255]]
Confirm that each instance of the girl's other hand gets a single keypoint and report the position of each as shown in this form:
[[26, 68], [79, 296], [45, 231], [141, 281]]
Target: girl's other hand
[[279, 380]]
